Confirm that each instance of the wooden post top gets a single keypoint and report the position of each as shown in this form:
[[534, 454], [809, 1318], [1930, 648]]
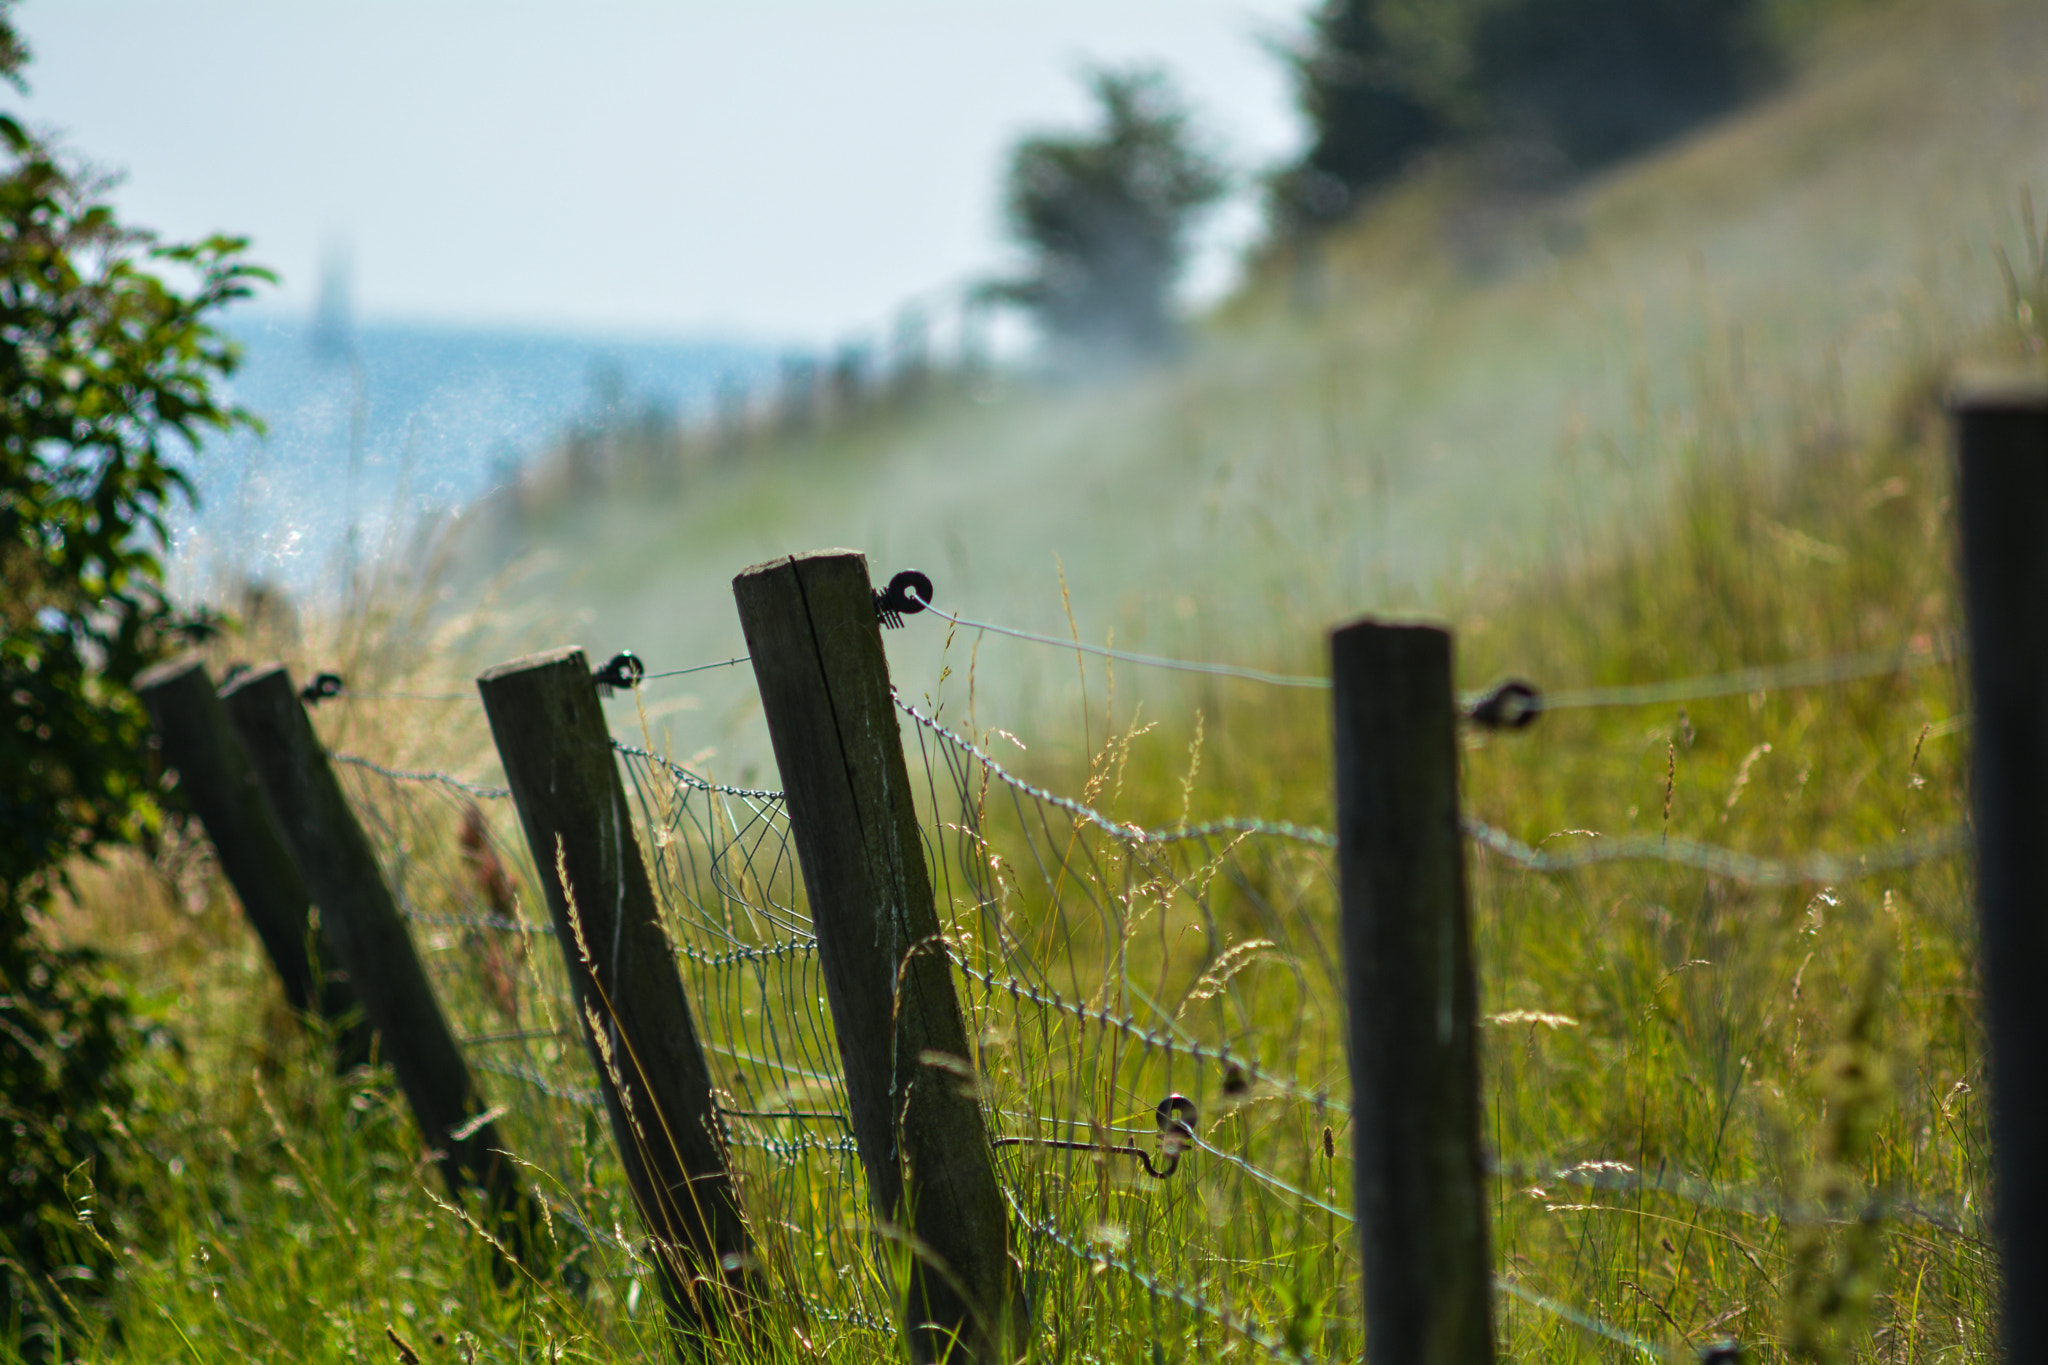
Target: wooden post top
[[548, 658], [781, 561], [254, 677], [170, 671]]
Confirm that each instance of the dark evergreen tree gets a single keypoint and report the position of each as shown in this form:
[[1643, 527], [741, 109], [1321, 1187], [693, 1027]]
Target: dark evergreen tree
[[1368, 111], [1576, 83], [1106, 215], [1601, 79]]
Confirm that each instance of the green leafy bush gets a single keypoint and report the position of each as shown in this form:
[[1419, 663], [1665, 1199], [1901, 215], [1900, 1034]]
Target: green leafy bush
[[107, 370]]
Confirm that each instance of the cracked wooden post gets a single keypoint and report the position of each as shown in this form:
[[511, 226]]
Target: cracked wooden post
[[1412, 998], [634, 1015], [817, 650], [361, 919], [200, 744], [2002, 515]]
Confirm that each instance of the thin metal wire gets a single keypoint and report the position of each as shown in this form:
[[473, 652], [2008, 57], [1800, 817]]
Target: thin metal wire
[[1125, 656], [445, 779], [698, 668], [1619, 1177], [526, 1075], [1584, 1321], [1725, 862], [350, 694], [494, 922], [1740, 682]]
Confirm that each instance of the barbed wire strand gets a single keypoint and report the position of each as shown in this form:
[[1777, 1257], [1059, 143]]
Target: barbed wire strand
[[1187, 1298], [1703, 857], [690, 779], [1127, 833], [1152, 1039]]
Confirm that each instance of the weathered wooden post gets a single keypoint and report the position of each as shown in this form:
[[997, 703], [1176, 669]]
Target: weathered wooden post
[[636, 1021], [362, 922], [2002, 511], [816, 643], [215, 776], [1412, 998]]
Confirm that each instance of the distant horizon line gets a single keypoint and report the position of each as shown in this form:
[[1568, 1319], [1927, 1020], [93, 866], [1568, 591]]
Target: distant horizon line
[[271, 314]]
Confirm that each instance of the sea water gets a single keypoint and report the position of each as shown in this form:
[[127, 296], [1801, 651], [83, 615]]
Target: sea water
[[370, 431]]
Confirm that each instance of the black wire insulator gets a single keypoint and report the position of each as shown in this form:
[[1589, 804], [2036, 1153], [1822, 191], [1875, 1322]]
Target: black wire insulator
[[323, 686], [908, 593], [623, 669], [1513, 705]]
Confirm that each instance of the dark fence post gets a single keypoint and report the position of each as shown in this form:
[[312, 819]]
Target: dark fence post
[[215, 776], [2002, 511], [1411, 996], [635, 1016], [361, 920], [816, 643]]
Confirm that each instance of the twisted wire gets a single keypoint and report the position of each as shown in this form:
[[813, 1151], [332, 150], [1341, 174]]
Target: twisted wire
[[1126, 833], [1725, 862], [1187, 1298], [1153, 1039], [445, 779]]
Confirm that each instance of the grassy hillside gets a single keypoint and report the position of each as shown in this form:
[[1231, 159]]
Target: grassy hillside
[[1480, 384], [1687, 419]]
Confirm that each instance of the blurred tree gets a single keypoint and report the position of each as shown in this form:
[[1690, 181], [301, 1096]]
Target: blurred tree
[[1379, 82], [1106, 216], [1601, 79], [1573, 82], [105, 363]]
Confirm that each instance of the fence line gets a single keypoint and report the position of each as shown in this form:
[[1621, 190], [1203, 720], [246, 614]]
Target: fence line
[[1826, 671], [1100, 965], [445, 779], [1725, 862]]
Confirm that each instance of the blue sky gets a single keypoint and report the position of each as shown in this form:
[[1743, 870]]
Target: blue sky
[[781, 169]]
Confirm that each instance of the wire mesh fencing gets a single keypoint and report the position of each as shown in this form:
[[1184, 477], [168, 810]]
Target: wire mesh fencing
[[456, 864], [1156, 1017]]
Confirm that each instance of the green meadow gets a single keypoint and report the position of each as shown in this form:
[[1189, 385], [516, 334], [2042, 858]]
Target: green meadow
[[1684, 419]]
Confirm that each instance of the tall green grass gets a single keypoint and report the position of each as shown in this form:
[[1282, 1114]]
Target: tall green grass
[[1793, 1078], [1750, 1051]]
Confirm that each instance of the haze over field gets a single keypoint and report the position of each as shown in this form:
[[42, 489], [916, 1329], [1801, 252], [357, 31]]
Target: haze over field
[[1484, 381], [1464, 382], [1616, 338]]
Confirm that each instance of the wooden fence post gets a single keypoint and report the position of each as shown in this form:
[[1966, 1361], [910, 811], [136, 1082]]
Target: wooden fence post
[[2002, 511], [215, 776], [816, 644], [361, 920], [1411, 995], [635, 1017]]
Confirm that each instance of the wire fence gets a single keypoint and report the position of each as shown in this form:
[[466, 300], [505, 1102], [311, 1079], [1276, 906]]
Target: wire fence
[[1156, 1017]]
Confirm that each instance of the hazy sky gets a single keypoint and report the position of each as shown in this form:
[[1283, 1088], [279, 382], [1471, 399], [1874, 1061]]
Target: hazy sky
[[779, 168]]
